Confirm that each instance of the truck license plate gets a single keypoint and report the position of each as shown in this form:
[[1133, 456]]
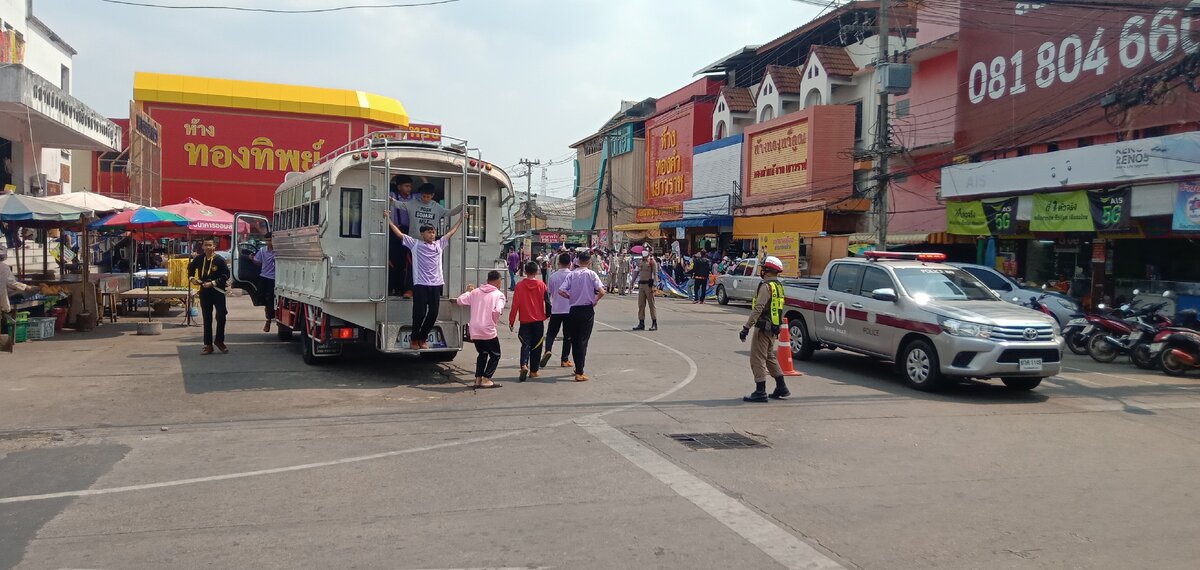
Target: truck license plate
[[1030, 364], [435, 339]]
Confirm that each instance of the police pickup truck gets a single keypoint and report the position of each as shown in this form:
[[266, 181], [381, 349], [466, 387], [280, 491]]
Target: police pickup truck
[[935, 321]]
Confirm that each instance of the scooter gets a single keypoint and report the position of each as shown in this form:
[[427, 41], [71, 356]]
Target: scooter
[[1176, 349], [1131, 336], [1071, 331]]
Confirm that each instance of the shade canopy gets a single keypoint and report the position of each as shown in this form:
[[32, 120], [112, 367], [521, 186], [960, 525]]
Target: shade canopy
[[141, 219], [93, 201], [19, 207], [204, 219]]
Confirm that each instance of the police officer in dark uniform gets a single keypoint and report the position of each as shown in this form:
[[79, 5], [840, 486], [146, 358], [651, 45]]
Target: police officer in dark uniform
[[766, 317]]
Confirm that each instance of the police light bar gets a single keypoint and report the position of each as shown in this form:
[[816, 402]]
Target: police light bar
[[929, 257]]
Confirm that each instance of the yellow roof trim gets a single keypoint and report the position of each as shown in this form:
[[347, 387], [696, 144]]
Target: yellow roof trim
[[233, 93]]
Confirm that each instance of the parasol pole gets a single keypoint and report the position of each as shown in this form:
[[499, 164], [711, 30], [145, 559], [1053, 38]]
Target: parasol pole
[[149, 312], [187, 280]]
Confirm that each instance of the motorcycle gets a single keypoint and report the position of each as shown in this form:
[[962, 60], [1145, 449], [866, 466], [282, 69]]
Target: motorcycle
[[1131, 336], [1176, 349], [1070, 332]]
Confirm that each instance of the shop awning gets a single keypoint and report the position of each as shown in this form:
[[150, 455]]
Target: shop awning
[[893, 239], [637, 226], [705, 222], [54, 118], [803, 222]]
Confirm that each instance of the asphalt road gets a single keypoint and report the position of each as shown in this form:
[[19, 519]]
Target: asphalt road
[[119, 451]]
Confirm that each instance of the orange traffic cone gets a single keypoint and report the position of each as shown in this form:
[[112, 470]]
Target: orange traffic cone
[[784, 352]]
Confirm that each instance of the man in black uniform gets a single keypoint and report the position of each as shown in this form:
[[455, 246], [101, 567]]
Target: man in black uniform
[[701, 269], [210, 272]]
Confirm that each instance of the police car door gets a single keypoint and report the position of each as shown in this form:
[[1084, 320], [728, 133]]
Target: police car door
[[837, 324], [878, 329]]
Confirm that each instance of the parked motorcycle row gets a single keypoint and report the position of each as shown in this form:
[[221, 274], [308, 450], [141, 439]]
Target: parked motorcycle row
[[1138, 330]]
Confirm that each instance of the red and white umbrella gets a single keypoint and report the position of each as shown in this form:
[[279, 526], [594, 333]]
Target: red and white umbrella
[[203, 219]]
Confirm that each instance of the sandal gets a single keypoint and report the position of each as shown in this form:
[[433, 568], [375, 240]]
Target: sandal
[[481, 386]]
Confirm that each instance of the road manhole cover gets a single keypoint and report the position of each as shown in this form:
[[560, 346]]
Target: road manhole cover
[[730, 440]]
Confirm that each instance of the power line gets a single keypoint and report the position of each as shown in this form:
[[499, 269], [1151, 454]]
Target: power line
[[280, 10]]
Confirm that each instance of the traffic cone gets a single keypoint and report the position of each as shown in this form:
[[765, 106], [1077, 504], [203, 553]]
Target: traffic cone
[[784, 352]]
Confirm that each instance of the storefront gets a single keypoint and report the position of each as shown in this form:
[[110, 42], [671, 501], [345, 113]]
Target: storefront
[[796, 177], [1096, 222], [229, 143]]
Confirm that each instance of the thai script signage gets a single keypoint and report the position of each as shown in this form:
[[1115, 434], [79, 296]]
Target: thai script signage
[[661, 213], [414, 132], [47, 99], [620, 140], [669, 158], [1061, 212], [778, 159]]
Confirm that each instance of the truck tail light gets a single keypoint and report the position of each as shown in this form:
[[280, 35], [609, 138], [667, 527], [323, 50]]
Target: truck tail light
[[344, 333]]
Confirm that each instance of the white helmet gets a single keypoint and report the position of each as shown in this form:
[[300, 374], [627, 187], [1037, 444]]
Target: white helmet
[[772, 263]]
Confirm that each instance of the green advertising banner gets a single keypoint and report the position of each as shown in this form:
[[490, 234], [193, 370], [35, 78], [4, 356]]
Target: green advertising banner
[[966, 219], [1111, 209], [1062, 212]]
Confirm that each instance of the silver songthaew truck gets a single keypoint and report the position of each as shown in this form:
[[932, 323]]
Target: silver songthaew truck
[[333, 249]]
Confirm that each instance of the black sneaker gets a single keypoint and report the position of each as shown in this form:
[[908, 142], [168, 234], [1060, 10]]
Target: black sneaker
[[781, 394], [756, 397]]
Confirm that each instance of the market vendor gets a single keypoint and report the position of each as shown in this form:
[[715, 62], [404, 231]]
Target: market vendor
[[9, 281]]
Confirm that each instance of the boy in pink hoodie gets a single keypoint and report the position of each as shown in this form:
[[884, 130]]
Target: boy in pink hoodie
[[487, 304]]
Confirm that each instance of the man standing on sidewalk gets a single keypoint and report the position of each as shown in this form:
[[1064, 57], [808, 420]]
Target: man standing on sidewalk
[[766, 317], [646, 276], [701, 269], [210, 272], [583, 289], [560, 310]]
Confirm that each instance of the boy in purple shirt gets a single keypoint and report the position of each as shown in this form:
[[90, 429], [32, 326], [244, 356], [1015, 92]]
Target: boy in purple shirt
[[560, 311], [427, 277], [583, 289]]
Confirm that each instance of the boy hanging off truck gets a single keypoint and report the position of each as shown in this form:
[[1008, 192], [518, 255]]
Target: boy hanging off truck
[[428, 277]]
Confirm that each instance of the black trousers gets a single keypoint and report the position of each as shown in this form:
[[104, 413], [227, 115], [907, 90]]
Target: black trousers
[[557, 321], [531, 335], [426, 303], [266, 295], [699, 287], [213, 301], [489, 357], [579, 328]]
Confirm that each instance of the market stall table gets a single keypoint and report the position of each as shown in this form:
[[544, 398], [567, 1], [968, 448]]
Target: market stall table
[[157, 296]]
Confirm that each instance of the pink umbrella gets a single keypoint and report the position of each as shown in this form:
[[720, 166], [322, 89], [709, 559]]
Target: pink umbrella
[[206, 219]]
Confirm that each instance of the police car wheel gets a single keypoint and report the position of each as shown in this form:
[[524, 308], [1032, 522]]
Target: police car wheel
[[802, 345], [722, 296], [919, 367]]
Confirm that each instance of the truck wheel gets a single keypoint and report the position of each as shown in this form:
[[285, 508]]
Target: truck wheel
[[439, 356], [307, 348], [722, 296], [1022, 384], [919, 366], [802, 345], [283, 332]]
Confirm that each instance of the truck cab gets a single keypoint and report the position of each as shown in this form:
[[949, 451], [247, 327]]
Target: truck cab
[[935, 321]]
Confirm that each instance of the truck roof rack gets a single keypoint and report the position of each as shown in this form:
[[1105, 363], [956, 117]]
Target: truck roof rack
[[904, 256]]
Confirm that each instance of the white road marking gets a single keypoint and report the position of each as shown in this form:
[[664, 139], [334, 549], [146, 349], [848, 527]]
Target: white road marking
[[1117, 407], [1118, 376], [768, 537], [691, 375], [1076, 378]]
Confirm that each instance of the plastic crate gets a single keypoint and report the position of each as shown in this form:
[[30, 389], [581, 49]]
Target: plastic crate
[[41, 327], [22, 332], [22, 316]]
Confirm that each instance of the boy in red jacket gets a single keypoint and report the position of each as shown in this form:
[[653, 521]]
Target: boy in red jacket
[[529, 304]]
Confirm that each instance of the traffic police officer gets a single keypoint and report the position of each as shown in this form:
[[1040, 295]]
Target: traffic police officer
[[766, 317]]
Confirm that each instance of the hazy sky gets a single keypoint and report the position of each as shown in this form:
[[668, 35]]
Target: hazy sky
[[517, 78]]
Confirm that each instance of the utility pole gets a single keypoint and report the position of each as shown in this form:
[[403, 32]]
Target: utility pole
[[882, 134], [608, 191], [529, 164]]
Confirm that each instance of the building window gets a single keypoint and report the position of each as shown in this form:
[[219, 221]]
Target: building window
[[768, 113], [721, 107], [720, 130], [351, 226], [477, 218], [66, 78], [858, 121], [902, 108]]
